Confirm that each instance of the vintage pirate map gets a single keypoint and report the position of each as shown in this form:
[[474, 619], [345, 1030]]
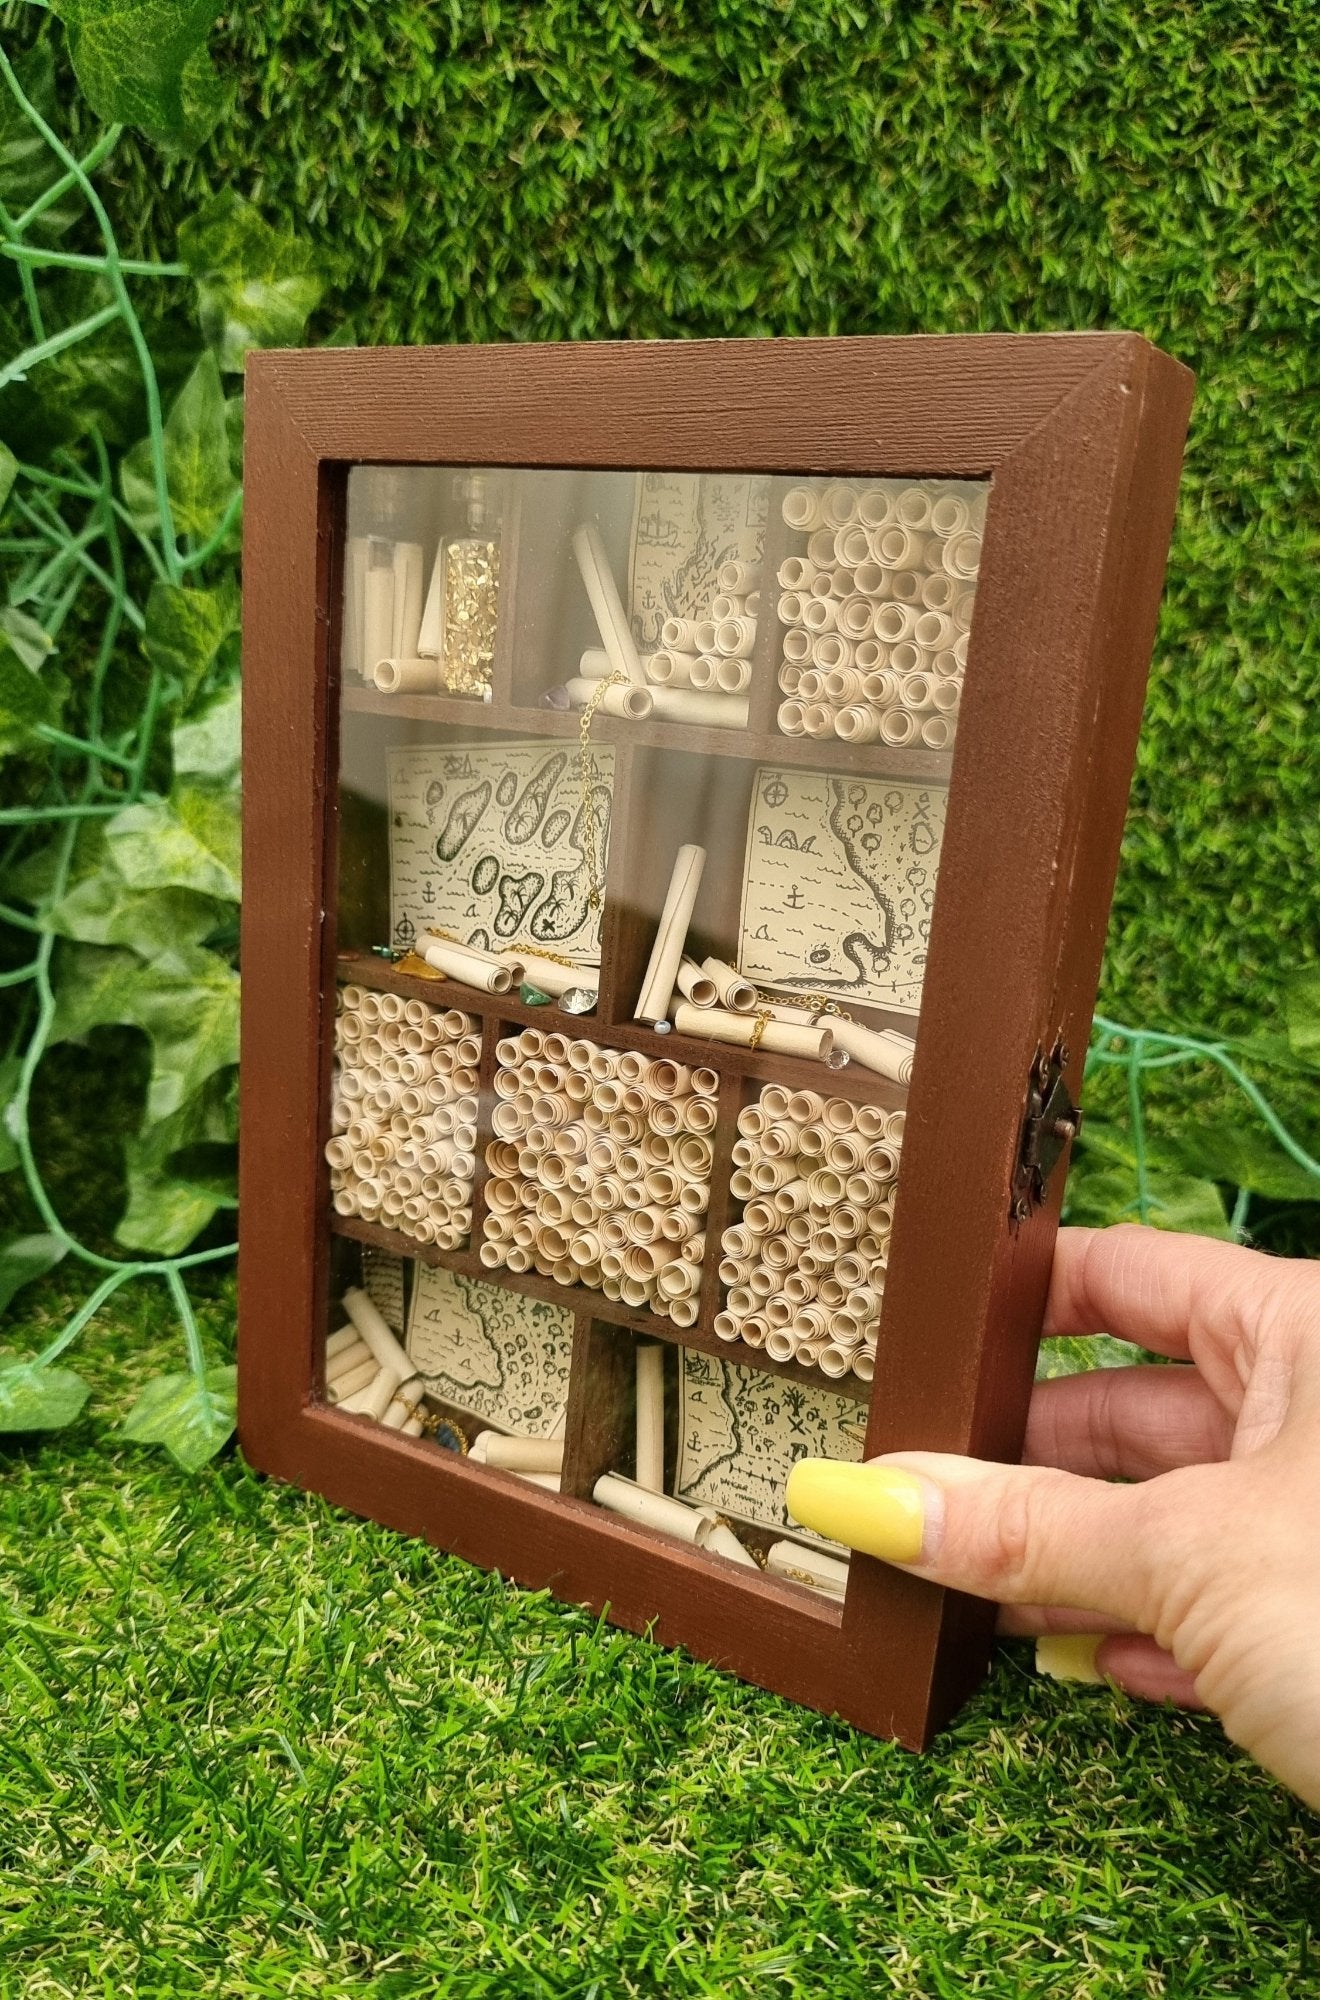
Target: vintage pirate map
[[491, 1352], [686, 526], [838, 886], [740, 1431], [486, 844]]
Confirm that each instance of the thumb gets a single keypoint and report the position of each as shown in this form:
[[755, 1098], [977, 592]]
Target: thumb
[[1018, 1534]]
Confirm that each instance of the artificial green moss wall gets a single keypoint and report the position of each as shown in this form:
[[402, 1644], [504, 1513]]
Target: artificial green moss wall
[[540, 171]]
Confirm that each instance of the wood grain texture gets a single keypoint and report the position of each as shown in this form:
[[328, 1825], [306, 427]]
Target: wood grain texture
[[1081, 436]]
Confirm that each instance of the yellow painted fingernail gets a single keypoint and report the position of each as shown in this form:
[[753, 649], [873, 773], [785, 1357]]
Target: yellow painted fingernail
[[875, 1508], [1069, 1656]]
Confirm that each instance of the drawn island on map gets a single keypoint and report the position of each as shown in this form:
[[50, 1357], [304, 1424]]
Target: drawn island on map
[[491, 1353], [838, 886], [488, 844]]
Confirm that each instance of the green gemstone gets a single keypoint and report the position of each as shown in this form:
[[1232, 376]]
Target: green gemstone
[[532, 996]]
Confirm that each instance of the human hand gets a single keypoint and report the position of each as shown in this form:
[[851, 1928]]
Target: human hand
[[1204, 1573]]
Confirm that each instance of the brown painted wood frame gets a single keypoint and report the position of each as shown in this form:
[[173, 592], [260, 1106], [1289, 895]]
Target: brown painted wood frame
[[1082, 437]]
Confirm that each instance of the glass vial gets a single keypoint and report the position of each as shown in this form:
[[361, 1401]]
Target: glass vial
[[471, 593]]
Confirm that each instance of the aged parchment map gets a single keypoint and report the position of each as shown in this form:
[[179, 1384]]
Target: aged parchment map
[[487, 844], [740, 1431], [491, 1352], [839, 884], [686, 526]]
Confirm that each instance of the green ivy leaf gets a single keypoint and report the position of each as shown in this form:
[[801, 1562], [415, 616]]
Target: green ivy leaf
[[103, 909], [192, 636], [197, 472], [8, 473], [25, 1258], [27, 164], [25, 702], [144, 63], [31, 641], [209, 745], [1098, 1197], [192, 1424], [1246, 1157], [39, 1399], [1301, 1013], [192, 840], [255, 284], [211, 1168], [185, 1000], [167, 1203]]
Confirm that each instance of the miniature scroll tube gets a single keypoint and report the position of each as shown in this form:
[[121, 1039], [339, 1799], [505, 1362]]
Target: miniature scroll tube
[[650, 1458], [466, 963], [366, 1317], [653, 1510], [612, 620], [518, 1454], [779, 1038], [657, 992], [633, 703], [401, 675], [810, 1566], [732, 990], [551, 978], [692, 983]]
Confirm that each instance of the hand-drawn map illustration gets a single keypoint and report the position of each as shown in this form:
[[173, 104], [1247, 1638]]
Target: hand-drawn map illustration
[[740, 1432], [382, 1281], [487, 843], [686, 526], [838, 886], [490, 1352]]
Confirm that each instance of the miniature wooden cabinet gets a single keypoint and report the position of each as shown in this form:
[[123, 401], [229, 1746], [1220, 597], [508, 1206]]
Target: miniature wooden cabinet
[[683, 792]]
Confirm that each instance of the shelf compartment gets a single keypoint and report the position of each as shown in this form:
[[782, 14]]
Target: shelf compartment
[[579, 1299]]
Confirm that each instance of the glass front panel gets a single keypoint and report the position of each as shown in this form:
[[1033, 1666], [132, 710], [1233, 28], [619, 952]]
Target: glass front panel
[[643, 781]]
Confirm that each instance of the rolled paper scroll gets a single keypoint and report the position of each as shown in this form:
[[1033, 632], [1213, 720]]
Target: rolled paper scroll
[[733, 676], [735, 637], [368, 1320], [461, 962], [695, 985], [406, 1400], [875, 506], [375, 1399], [377, 604], [431, 632], [518, 1454], [738, 577], [678, 635], [407, 599], [704, 711], [801, 508], [352, 1380], [351, 658], [401, 675], [934, 629], [732, 990], [962, 554], [790, 607], [548, 976], [671, 668], [857, 725], [797, 647], [809, 1566], [820, 614], [716, 1025], [898, 726], [652, 1510], [632, 703], [657, 992], [852, 545], [594, 664], [345, 1359], [721, 1541], [704, 671], [818, 719], [853, 617], [611, 618], [790, 718], [339, 1342], [650, 1450], [724, 606], [937, 732]]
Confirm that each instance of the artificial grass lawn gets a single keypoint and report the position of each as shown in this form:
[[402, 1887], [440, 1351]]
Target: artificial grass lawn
[[252, 1746]]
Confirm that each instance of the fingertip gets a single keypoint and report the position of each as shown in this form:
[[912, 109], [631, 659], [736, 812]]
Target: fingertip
[[879, 1510]]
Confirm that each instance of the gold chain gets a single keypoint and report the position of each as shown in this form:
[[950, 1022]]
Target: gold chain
[[759, 1027], [814, 1004], [587, 782]]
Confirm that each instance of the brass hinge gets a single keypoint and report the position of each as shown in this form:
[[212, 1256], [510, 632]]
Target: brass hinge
[[1051, 1120]]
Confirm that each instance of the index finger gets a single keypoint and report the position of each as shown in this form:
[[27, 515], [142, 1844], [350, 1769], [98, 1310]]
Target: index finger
[[1169, 1293]]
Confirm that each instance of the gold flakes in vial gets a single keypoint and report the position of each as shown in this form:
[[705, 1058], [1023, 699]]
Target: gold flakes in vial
[[472, 578]]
